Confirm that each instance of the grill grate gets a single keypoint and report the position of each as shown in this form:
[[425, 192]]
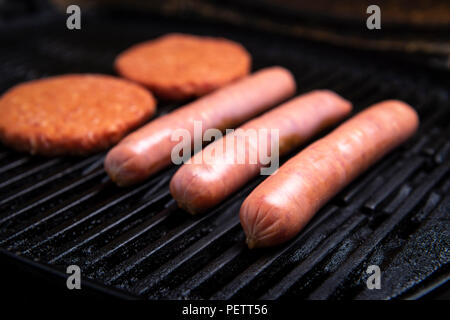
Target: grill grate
[[66, 211]]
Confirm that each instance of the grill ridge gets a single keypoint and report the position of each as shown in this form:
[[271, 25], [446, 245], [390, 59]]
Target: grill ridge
[[65, 211]]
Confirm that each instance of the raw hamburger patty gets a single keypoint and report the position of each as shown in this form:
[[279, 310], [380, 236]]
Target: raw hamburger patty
[[179, 66], [72, 114]]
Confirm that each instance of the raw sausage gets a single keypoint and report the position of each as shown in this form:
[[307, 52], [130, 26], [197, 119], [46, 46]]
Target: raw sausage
[[202, 184], [148, 150], [281, 205]]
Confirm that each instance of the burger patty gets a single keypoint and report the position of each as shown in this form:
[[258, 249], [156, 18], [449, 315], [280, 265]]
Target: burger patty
[[72, 114], [180, 66]]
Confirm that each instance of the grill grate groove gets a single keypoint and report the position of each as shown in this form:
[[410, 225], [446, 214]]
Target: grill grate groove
[[65, 211]]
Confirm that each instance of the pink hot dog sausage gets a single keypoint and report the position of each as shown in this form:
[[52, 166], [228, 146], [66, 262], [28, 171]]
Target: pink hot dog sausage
[[148, 149], [281, 206], [200, 185]]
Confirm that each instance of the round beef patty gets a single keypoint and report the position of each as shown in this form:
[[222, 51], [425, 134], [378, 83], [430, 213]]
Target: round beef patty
[[179, 66], [72, 114]]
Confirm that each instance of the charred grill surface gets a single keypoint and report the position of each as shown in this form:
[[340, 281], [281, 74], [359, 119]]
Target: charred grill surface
[[56, 212]]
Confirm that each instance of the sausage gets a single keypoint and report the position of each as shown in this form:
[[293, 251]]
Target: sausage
[[148, 149], [281, 205], [201, 184]]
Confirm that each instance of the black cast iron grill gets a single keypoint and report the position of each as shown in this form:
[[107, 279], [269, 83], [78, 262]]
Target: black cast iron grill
[[63, 211]]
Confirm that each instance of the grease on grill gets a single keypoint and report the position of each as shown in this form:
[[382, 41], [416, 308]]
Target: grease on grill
[[66, 211]]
